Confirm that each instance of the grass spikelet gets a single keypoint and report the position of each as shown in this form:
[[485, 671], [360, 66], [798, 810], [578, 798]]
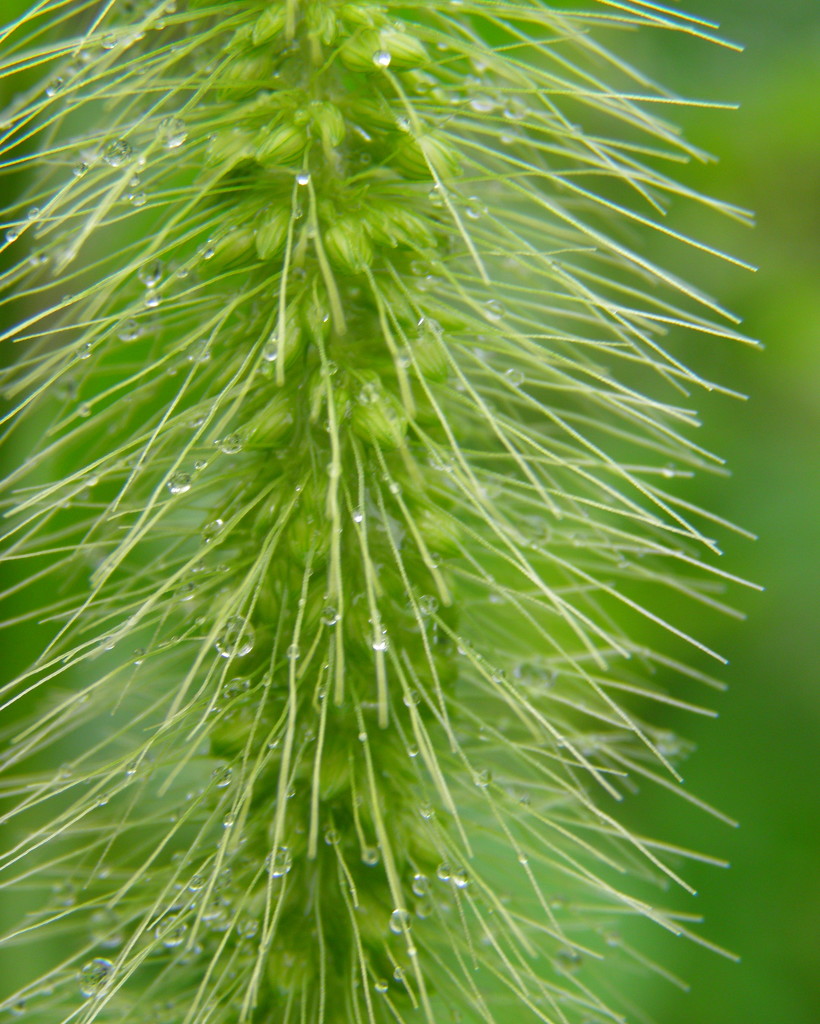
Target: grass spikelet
[[343, 526]]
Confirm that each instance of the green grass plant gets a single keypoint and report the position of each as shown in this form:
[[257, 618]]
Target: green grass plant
[[347, 526]]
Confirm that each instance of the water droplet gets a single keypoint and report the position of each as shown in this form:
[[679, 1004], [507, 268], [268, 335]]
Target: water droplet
[[330, 615], [380, 641], [54, 86], [370, 856], [443, 872], [493, 310], [279, 862], [515, 110], [482, 104], [139, 655], [236, 639], [117, 153], [221, 777], [399, 921], [568, 959], [138, 199], [94, 976], [179, 483], [421, 885], [514, 377], [247, 927], [230, 445], [357, 515], [483, 778], [197, 883], [332, 837], [428, 604], [173, 132], [129, 330], [235, 687], [380, 986], [210, 531], [460, 878], [381, 58], [151, 275], [293, 652], [412, 750], [303, 178], [171, 931], [152, 299], [410, 699], [270, 350]]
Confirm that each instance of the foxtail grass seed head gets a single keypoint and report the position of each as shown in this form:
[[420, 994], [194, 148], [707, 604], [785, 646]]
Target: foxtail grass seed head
[[343, 533]]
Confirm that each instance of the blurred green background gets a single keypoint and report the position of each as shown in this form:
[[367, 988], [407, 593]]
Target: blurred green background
[[759, 761]]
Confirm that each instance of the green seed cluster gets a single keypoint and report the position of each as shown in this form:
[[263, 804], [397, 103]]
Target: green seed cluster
[[352, 441]]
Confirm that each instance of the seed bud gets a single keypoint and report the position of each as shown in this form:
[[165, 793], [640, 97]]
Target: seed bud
[[378, 417], [269, 24], [281, 145], [347, 245], [272, 232]]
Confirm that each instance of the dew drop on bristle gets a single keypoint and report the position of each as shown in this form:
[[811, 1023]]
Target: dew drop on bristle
[[330, 615], [236, 639], [399, 921], [173, 132], [230, 445], [279, 862], [179, 483], [421, 885], [129, 330], [117, 153], [94, 976], [370, 856], [222, 776], [212, 530]]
